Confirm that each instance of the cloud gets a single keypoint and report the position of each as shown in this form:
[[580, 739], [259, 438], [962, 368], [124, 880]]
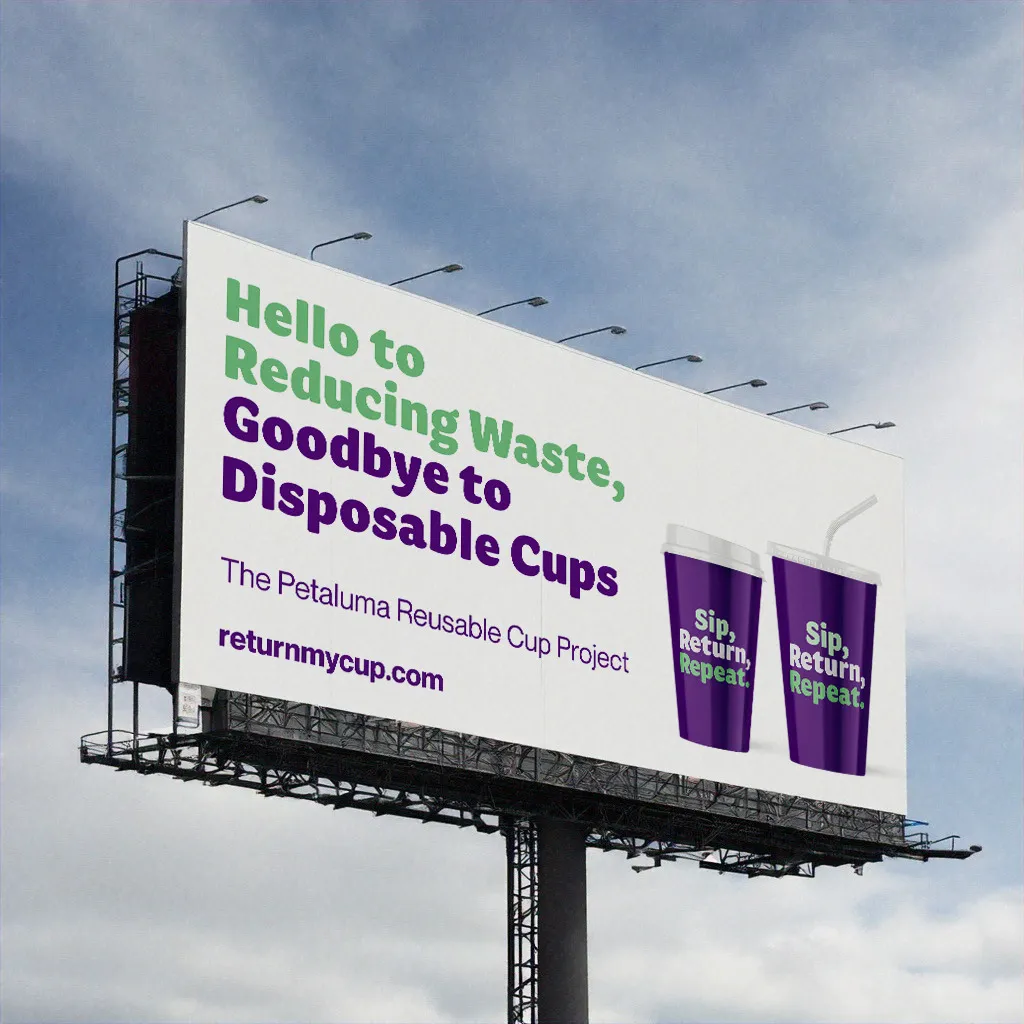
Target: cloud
[[154, 901], [70, 509], [324, 916], [839, 948]]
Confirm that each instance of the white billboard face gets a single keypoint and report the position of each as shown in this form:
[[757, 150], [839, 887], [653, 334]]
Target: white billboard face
[[395, 508]]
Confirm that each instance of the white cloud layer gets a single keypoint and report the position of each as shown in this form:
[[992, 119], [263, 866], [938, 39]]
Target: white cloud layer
[[166, 902], [340, 917], [129, 898]]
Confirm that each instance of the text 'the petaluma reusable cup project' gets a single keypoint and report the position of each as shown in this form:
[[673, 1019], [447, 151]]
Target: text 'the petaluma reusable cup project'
[[714, 598], [826, 614]]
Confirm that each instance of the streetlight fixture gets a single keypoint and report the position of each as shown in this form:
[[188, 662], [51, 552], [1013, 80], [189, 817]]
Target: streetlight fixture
[[260, 200], [755, 383], [537, 300], [675, 359], [860, 426], [448, 268], [359, 236], [813, 406], [614, 329]]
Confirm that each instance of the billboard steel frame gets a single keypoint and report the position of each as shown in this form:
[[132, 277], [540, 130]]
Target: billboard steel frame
[[340, 759], [277, 748]]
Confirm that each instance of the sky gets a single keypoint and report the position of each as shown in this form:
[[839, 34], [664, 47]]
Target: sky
[[825, 195]]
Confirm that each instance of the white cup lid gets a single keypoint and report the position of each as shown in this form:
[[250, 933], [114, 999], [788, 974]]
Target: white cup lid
[[826, 564], [684, 540]]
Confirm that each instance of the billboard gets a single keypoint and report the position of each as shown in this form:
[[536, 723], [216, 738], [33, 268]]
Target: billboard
[[393, 507]]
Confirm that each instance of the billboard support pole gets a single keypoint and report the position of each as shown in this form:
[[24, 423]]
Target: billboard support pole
[[562, 922]]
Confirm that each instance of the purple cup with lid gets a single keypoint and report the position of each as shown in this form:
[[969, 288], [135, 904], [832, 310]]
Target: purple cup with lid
[[714, 599]]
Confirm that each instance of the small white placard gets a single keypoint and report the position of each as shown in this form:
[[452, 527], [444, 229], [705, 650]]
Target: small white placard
[[188, 705]]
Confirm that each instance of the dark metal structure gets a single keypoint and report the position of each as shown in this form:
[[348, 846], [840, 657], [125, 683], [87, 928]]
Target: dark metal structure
[[549, 806], [142, 473], [522, 910]]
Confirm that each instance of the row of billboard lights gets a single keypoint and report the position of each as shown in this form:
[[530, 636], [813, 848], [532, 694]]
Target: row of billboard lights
[[538, 300]]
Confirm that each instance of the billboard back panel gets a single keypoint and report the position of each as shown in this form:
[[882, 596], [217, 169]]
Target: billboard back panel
[[392, 507]]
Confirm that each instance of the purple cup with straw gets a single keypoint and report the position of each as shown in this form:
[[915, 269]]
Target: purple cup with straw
[[826, 617]]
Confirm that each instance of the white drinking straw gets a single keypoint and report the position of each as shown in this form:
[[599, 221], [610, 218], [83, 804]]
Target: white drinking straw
[[845, 518]]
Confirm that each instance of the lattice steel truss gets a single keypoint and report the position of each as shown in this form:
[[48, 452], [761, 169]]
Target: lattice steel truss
[[644, 805], [521, 928], [341, 759]]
